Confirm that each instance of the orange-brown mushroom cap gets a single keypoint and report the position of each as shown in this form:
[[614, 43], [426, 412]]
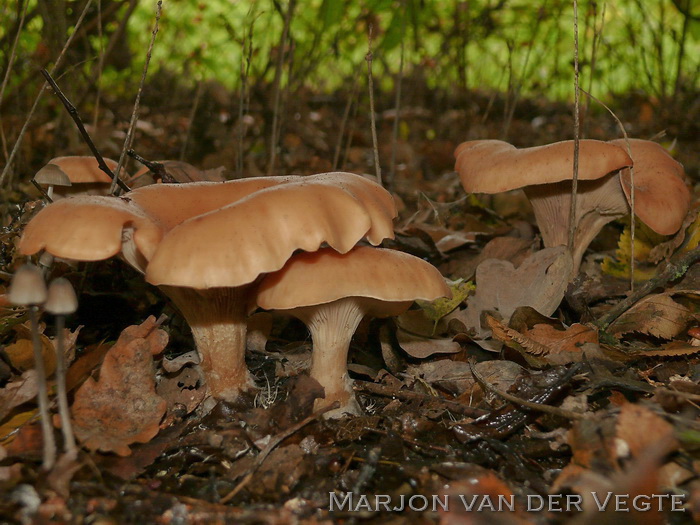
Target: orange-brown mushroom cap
[[324, 276], [84, 169], [88, 228], [231, 246], [661, 196], [494, 166]]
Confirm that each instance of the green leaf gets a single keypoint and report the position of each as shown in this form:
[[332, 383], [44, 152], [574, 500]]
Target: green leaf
[[436, 310]]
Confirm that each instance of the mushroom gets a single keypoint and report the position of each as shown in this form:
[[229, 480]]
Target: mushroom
[[28, 289], [83, 174], [50, 176], [332, 292], [545, 173], [661, 197], [61, 301], [205, 243]]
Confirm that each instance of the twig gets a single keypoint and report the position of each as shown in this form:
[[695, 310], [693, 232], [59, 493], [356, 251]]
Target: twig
[[276, 440], [397, 102], [10, 63], [135, 114], [244, 96], [631, 168], [277, 86], [155, 167], [547, 409], [73, 112], [346, 115], [375, 147], [577, 138], [674, 269], [23, 131], [193, 114], [452, 406]]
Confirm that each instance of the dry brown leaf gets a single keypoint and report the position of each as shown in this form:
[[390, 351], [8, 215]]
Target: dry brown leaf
[[21, 352], [540, 282], [122, 407], [657, 315], [423, 347], [17, 392], [672, 349], [640, 428], [569, 340]]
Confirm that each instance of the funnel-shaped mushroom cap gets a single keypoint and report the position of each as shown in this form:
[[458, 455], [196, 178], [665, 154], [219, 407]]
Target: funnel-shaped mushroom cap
[[233, 245], [88, 228], [387, 276], [661, 197], [84, 169], [170, 204], [494, 166]]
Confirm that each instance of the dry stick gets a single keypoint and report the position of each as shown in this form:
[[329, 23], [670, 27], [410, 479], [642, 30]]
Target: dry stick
[[674, 269], [577, 138], [344, 121], [397, 103], [244, 102], [23, 131], [100, 66], [276, 440], [135, 114], [597, 33], [193, 114], [10, 63], [547, 409], [632, 191], [73, 112], [375, 147], [277, 86], [407, 395]]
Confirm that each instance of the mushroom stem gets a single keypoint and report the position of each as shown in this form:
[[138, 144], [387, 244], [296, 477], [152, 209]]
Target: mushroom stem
[[49, 442], [62, 395], [598, 203], [332, 326], [217, 318]]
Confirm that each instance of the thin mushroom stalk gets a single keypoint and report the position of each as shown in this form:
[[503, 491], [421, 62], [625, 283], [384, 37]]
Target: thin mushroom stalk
[[62, 301], [49, 442], [28, 289]]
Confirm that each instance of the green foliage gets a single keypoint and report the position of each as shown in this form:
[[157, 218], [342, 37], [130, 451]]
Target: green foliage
[[645, 239], [520, 46]]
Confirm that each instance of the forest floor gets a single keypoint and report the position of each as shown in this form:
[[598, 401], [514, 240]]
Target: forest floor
[[591, 413]]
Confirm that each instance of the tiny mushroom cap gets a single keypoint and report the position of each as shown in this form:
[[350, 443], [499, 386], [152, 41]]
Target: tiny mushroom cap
[[545, 174], [51, 175], [332, 292], [661, 197], [27, 287], [61, 298]]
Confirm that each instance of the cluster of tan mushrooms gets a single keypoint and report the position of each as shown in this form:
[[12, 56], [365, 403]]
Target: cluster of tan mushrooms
[[661, 197], [221, 249]]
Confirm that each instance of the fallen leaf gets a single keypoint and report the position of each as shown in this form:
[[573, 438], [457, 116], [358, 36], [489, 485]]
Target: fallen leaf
[[17, 392], [122, 407], [657, 315], [423, 347], [439, 308], [540, 282]]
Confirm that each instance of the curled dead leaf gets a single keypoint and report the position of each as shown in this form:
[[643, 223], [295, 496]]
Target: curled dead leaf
[[122, 406]]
